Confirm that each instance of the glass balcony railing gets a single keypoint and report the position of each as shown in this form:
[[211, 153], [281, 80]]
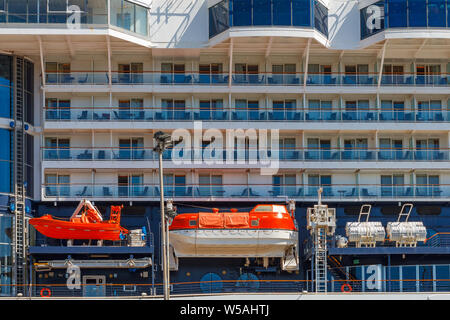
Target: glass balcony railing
[[76, 78], [282, 154], [307, 192], [240, 79], [62, 14], [52, 18], [98, 154], [242, 114]]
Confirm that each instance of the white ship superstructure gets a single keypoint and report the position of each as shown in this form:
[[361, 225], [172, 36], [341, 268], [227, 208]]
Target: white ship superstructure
[[273, 99]]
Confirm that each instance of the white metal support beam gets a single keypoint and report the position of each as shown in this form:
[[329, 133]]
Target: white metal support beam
[[230, 71], [380, 72], [41, 54], [424, 42], [70, 46], [269, 47], [111, 139], [448, 139], [377, 144], [108, 42], [341, 55], [378, 104], [306, 59]]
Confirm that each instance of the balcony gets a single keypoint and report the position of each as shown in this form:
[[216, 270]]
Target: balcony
[[283, 154], [258, 192], [146, 114], [405, 16], [248, 79], [124, 15]]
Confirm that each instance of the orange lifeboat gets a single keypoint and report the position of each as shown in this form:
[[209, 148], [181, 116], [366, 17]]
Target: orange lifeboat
[[86, 223], [265, 231]]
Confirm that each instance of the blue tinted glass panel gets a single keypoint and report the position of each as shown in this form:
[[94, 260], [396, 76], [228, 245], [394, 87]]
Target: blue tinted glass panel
[[5, 173], [281, 12], [17, 10], [448, 14], [140, 24], [5, 70], [301, 14], [397, 13], [313, 180], [277, 180], [372, 19], [409, 273], [5, 102], [5, 137], [262, 13], [393, 273], [417, 13], [180, 180], [32, 11], [218, 18], [57, 5], [42, 18], [386, 180], [442, 273], [325, 180], [57, 11], [321, 18], [5, 164], [242, 13], [436, 13]]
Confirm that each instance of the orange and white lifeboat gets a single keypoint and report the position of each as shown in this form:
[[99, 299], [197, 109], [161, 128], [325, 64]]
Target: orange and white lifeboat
[[265, 231]]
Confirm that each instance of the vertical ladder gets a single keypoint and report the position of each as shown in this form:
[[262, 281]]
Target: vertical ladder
[[20, 233], [321, 221], [320, 259]]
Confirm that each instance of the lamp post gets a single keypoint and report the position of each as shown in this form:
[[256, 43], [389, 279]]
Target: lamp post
[[163, 141]]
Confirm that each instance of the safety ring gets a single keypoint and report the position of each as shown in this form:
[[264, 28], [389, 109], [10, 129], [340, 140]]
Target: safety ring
[[49, 293], [347, 288]]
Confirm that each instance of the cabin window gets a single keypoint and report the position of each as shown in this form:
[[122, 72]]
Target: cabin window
[[352, 210], [263, 209], [255, 223], [428, 210], [192, 223]]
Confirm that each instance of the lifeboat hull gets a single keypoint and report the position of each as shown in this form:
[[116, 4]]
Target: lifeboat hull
[[232, 242], [265, 231], [58, 229]]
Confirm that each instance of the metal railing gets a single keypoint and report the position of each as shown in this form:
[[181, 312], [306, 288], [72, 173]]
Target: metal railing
[[247, 154], [48, 242], [310, 114], [341, 286], [241, 79], [341, 192], [437, 240]]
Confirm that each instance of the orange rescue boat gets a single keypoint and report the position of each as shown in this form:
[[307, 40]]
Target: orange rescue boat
[[268, 230], [86, 223]]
